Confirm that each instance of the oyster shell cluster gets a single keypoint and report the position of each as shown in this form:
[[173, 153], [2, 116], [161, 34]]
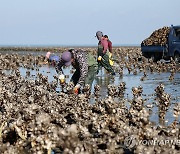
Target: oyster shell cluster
[[34, 118], [158, 37]]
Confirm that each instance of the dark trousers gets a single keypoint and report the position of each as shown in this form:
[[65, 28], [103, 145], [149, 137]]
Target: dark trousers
[[92, 71], [105, 63]]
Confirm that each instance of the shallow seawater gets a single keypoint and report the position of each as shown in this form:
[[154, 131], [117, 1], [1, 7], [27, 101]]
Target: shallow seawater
[[104, 79]]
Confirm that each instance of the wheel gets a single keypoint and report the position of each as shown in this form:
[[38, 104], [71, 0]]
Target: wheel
[[176, 58]]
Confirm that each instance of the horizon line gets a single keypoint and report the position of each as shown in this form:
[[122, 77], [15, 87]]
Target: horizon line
[[62, 45]]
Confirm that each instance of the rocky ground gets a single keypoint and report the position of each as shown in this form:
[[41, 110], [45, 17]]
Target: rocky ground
[[34, 118]]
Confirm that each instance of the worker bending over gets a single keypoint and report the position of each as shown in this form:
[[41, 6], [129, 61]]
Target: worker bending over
[[52, 58], [84, 63]]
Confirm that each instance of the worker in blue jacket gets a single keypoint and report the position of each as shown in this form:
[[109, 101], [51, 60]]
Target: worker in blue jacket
[[52, 59]]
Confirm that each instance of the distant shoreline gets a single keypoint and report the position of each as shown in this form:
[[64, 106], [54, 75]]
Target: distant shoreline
[[64, 46], [53, 48]]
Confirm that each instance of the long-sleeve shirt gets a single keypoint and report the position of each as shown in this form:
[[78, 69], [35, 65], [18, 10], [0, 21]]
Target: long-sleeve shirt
[[104, 43], [110, 46], [80, 63]]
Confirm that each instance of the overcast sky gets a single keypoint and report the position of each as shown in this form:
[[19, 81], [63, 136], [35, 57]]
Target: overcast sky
[[75, 22]]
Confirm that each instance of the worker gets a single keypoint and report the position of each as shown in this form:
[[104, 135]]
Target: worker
[[109, 52], [103, 58], [52, 58], [85, 65], [109, 43]]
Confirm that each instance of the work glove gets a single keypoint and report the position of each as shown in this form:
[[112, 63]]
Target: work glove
[[76, 89], [99, 58], [62, 79], [111, 62]]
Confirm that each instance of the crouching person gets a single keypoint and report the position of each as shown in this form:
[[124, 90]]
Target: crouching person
[[85, 65]]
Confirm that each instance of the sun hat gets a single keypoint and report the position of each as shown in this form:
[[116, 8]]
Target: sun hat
[[66, 57], [48, 54], [99, 34]]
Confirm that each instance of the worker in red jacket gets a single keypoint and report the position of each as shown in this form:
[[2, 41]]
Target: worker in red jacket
[[110, 50], [109, 43], [103, 46]]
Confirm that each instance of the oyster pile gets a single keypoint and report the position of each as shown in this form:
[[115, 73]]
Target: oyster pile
[[158, 37], [34, 118]]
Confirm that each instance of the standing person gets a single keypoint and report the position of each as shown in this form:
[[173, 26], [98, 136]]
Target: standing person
[[109, 43], [103, 58], [84, 63], [109, 52]]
